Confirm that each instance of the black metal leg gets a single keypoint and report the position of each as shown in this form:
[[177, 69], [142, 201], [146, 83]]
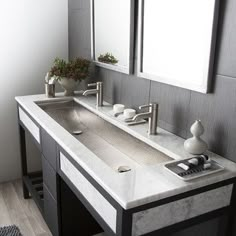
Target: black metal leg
[[23, 160], [124, 222], [232, 217]]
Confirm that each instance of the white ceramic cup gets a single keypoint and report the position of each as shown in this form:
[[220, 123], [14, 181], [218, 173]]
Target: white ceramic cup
[[118, 108], [129, 113]]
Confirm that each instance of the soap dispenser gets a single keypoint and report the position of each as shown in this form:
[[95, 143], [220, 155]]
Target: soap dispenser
[[196, 145]]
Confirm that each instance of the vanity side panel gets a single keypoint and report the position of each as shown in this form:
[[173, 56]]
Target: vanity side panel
[[168, 214], [92, 195], [30, 125]]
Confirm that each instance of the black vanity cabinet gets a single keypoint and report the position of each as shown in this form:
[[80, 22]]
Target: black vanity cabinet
[[73, 203]]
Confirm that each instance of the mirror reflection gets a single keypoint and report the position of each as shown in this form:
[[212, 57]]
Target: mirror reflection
[[177, 41], [112, 34]]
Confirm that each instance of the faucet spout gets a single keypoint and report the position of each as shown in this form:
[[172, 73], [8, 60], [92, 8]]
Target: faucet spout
[[152, 116], [98, 91], [142, 116], [90, 91]]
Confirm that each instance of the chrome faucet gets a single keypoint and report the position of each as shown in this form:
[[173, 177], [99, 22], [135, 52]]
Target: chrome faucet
[[98, 91], [152, 116]]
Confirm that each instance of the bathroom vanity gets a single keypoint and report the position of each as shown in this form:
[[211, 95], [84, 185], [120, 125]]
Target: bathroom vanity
[[80, 190]]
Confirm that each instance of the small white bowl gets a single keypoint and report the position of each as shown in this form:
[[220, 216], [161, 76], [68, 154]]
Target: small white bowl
[[118, 108], [129, 113]]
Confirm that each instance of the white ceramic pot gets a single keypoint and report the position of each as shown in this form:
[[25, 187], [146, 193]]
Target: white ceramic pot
[[196, 145], [69, 85]]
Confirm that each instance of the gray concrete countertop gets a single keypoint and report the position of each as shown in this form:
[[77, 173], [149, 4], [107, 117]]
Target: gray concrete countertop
[[140, 186]]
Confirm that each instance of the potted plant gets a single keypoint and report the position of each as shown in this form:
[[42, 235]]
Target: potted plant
[[107, 58], [69, 74]]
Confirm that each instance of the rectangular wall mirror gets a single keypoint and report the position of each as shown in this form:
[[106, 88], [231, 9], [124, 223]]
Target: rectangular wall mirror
[[177, 41], [112, 30]]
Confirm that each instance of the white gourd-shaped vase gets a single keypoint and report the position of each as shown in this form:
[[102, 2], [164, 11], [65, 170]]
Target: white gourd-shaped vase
[[196, 145]]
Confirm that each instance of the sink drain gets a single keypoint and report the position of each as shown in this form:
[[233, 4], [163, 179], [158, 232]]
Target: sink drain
[[123, 169], [77, 132]]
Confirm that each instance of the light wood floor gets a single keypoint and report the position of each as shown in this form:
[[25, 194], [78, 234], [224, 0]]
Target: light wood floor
[[14, 209]]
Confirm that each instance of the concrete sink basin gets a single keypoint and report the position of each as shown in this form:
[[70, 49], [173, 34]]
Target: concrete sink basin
[[112, 145]]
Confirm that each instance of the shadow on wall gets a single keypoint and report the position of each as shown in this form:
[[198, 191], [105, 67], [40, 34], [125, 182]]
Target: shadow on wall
[[178, 114], [219, 145]]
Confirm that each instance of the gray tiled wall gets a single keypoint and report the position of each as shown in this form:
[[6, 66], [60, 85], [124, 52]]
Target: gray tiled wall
[[178, 107]]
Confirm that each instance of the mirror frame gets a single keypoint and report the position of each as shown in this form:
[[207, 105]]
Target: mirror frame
[[208, 73], [126, 70]]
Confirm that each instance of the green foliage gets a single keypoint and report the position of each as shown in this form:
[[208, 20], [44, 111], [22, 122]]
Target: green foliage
[[77, 69], [107, 58]]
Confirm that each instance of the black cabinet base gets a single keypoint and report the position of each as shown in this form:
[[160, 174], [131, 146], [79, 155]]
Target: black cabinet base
[[75, 217], [65, 213]]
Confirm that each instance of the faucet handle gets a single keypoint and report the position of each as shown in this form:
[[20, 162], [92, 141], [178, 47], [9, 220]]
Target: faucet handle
[[144, 106], [92, 84], [154, 106]]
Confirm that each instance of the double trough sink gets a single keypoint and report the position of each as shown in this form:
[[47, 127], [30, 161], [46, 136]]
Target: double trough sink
[[118, 149]]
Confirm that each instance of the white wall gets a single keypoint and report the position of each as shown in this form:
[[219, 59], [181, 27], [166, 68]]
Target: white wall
[[32, 34]]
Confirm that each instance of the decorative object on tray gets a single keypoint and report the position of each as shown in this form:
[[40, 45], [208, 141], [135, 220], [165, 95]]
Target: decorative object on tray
[[69, 74], [11, 230], [196, 145], [202, 161], [107, 58], [194, 167]]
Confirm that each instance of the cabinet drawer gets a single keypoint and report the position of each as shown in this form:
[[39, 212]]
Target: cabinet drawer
[[49, 177], [49, 148], [50, 212], [30, 125]]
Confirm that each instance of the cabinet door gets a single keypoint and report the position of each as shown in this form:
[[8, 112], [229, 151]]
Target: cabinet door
[[49, 177], [51, 214]]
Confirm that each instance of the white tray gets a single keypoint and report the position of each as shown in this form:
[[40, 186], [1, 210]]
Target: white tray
[[175, 170]]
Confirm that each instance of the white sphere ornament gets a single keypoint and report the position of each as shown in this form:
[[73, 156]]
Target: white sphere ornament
[[196, 145]]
